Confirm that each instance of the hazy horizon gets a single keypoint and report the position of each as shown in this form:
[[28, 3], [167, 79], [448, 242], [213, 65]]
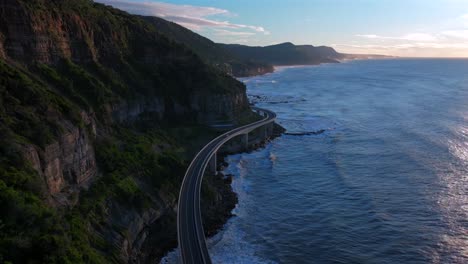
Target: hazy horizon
[[133, 132], [415, 28]]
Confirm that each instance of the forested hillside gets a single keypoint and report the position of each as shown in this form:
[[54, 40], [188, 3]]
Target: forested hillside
[[213, 53], [286, 54], [99, 114]]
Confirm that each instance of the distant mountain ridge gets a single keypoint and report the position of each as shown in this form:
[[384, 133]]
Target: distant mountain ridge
[[212, 53], [100, 113], [287, 53], [243, 61]]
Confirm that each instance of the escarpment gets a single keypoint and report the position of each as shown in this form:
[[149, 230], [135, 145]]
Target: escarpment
[[94, 103], [122, 49], [69, 161]]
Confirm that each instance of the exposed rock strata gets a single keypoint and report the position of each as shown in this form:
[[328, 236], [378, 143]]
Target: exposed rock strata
[[31, 37], [66, 162]]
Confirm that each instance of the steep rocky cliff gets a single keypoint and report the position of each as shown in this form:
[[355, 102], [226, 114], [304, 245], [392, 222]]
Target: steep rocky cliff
[[69, 161], [127, 57], [90, 165]]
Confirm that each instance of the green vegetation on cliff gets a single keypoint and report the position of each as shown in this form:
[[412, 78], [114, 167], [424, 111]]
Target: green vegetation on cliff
[[24, 102], [33, 230], [93, 103], [286, 54], [211, 52]]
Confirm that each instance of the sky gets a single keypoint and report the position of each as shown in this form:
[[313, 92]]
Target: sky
[[407, 28]]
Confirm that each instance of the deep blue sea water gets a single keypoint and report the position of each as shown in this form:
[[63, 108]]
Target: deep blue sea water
[[387, 182]]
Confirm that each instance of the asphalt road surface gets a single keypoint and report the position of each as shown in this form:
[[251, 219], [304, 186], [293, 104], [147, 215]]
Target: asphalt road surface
[[190, 231]]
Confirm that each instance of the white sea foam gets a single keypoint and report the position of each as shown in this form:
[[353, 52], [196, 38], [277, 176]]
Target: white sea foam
[[388, 175], [230, 244], [281, 68]]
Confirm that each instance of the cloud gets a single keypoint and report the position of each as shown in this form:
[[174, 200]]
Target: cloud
[[410, 37], [448, 38], [419, 37], [463, 20], [369, 36], [459, 34], [417, 49], [162, 9], [407, 46], [233, 36], [223, 32], [192, 17]]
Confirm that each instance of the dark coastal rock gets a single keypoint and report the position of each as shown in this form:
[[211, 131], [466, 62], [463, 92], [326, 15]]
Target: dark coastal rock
[[70, 161], [318, 132], [217, 211]]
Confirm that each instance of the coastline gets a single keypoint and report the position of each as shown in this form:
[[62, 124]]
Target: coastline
[[213, 225], [277, 68], [215, 215], [284, 67], [340, 180]]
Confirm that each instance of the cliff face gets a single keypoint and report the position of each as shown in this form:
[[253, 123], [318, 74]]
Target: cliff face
[[2, 48], [203, 107], [68, 162], [155, 225], [90, 167], [33, 34], [29, 38], [218, 107]]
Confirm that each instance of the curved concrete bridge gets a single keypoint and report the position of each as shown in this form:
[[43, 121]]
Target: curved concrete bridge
[[190, 231]]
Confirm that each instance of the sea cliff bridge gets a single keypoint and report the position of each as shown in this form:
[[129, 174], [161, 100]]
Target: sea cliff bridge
[[190, 231]]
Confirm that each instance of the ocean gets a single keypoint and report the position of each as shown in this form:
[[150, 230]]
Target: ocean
[[379, 176]]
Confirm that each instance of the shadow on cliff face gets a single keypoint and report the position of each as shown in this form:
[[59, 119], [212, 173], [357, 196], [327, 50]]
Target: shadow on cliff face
[[218, 200], [80, 180]]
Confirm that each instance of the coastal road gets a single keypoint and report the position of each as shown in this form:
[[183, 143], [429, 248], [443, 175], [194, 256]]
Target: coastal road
[[190, 231]]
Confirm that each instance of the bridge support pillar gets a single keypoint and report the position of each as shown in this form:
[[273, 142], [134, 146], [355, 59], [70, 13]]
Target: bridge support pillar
[[245, 141], [265, 131], [271, 128], [212, 166]]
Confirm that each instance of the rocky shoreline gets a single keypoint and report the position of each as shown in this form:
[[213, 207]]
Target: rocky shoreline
[[218, 199], [216, 215]]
